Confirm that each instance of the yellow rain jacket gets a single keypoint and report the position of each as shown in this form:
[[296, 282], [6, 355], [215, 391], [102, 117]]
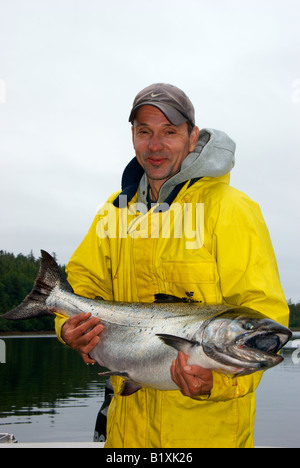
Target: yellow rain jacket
[[222, 253]]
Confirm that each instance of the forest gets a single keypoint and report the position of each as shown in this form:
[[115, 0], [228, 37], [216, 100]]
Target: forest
[[17, 275]]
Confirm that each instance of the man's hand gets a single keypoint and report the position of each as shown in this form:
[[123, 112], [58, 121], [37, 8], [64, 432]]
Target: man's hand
[[192, 380], [75, 333]]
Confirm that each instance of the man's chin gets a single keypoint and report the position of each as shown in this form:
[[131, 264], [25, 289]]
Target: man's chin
[[158, 173]]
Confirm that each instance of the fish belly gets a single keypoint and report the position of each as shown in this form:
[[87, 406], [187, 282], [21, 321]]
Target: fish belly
[[139, 353]]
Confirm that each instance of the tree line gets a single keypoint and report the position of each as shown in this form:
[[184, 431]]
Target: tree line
[[17, 275]]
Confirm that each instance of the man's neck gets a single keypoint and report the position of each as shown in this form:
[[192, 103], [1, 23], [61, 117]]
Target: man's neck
[[155, 186], [153, 194]]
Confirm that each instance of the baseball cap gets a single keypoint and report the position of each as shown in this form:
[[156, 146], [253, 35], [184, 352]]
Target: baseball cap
[[172, 102]]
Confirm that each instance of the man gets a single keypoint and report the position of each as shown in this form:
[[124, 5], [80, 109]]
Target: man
[[227, 257]]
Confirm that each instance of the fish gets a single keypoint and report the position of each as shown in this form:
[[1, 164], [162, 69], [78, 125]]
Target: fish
[[140, 340]]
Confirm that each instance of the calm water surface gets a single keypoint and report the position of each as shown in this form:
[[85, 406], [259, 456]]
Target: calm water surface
[[48, 395]]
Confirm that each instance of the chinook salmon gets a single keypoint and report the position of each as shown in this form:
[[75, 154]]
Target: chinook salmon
[[141, 340]]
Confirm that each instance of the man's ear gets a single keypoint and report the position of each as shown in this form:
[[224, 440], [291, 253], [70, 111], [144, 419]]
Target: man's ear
[[194, 138]]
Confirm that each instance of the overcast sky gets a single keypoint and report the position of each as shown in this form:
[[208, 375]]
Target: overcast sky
[[69, 71]]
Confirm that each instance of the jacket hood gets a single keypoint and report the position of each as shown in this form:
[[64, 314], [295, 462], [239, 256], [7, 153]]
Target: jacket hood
[[213, 157]]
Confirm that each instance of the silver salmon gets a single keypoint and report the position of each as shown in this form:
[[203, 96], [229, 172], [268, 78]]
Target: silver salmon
[[141, 340]]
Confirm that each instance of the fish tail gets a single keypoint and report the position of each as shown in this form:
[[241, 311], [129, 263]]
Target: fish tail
[[34, 305]]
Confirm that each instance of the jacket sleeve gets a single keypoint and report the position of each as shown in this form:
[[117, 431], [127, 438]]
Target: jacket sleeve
[[228, 387], [248, 276], [246, 261]]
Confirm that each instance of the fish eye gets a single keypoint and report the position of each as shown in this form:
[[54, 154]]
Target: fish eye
[[248, 326]]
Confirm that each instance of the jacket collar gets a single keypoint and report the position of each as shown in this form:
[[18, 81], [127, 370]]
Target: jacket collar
[[131, 179]]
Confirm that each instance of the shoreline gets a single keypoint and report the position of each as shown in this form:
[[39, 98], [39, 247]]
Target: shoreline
[[31, 333]]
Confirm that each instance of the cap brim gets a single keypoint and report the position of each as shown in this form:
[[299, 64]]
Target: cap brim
[[174, 116]]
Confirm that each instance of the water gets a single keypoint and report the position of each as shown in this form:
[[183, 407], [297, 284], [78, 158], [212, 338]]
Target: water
[[278, 403], [48, 395]]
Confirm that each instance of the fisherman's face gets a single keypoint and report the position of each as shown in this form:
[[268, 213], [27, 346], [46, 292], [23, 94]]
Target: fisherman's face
[[160, 146]]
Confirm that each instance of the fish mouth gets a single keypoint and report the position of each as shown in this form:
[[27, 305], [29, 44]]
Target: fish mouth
[[262, 347], [251, 351], [266, 342]]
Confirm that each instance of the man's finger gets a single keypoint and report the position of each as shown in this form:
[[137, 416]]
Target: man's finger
[[87, 360], [83, 328], [75, 320], [94, 333], [87, 348]]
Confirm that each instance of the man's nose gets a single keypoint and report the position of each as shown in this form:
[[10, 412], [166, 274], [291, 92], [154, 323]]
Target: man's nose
[[155, 143]]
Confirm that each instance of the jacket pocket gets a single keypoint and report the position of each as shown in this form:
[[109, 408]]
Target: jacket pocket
[[189, 272], [197, 280]]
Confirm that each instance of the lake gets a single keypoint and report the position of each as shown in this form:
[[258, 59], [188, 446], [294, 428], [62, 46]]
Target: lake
[[48, 394]]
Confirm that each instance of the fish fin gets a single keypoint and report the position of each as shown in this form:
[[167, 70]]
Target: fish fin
[[34, 305], [129, 387], [181, 344], [109, 373], [167, 298]]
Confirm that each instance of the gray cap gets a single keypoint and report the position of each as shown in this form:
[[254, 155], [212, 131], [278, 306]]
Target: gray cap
[[172, 102]]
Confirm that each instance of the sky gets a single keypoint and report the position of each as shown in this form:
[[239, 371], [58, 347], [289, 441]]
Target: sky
[[69, 71]]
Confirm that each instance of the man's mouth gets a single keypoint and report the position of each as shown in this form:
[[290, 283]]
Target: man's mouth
[[156, 161]]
